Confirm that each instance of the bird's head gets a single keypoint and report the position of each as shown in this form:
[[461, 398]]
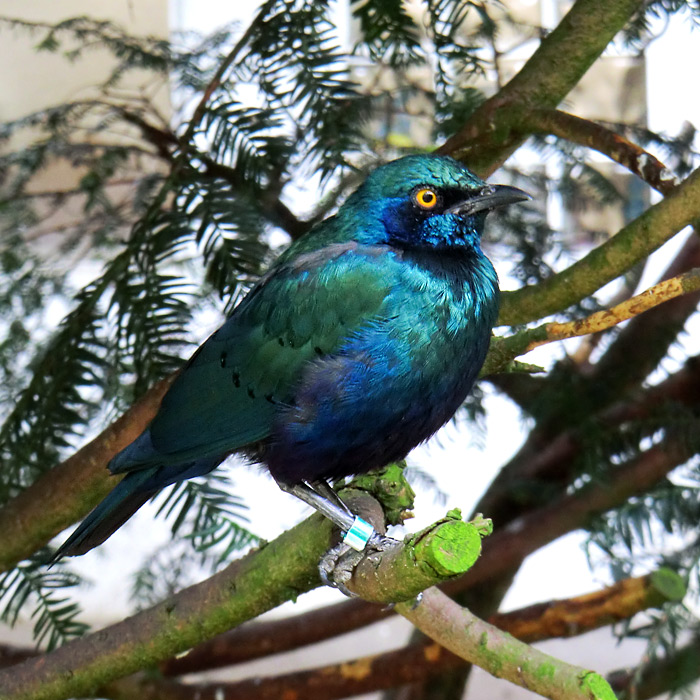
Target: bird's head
[[428, 201]]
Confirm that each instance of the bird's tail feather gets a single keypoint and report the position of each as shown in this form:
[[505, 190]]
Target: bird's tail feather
[[119, 505], [125, 499]]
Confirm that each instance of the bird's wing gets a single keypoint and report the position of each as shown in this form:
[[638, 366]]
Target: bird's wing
[[226, 396]]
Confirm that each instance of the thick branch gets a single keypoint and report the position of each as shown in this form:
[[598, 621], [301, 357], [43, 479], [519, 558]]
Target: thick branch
[[558, 618], [281, 570], [266, 638], [547, 77], [562, 618], [419, 662], [608, 261], [260, 581]]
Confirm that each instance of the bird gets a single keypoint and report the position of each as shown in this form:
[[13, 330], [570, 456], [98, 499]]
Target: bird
[[362, 339]]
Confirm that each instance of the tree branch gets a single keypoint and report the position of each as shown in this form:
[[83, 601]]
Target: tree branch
[[70, 490], [518, 485], [585, 132], [503, 656], [645, 341], [417, 662], [511, 545], [277, 572], [557, 618], [575, 616], [506, 549], [666, 675], [561, 60], [630, 245], [504, 350]]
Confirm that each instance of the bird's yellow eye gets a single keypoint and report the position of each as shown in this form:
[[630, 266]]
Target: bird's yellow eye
[[425, 198]]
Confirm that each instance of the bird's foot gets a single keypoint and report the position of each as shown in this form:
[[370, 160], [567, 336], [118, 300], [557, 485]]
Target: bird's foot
[[338, 563]]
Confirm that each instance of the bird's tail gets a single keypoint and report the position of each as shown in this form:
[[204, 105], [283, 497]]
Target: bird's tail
[[119, 505]]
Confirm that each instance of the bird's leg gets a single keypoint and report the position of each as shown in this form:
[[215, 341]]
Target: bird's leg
[[336, 566], [323, 488], [340, 516]]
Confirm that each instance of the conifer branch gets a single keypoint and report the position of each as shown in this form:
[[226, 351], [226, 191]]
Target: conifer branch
[[70, 490], [271, 206], [669, 674], [552, 460]]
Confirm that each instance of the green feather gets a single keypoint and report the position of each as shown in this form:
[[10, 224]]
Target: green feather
[[225, 398]]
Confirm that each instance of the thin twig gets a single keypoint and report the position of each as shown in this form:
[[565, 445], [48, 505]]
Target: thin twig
[[602, 320], [585, 132]]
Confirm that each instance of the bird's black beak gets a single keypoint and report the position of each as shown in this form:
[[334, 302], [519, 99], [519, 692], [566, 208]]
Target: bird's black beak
[[488, 198]]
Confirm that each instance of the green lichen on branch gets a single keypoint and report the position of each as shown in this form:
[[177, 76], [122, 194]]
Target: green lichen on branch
[[608, 261], [478, 642], [391, 488], [442, 551], [279, 571]]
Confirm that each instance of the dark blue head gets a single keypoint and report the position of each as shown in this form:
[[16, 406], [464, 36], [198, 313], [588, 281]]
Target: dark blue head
[[426, 201]]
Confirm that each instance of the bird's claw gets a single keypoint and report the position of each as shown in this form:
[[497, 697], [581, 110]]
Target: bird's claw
[[336, 567], [338, 563]]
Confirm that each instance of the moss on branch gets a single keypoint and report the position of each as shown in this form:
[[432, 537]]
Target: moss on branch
[[562, 59], [608, 261], [277, 572], [503, 656]]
